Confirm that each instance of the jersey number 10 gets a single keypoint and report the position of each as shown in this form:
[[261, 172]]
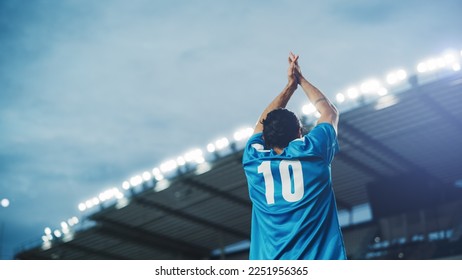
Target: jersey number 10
[[291, 182]]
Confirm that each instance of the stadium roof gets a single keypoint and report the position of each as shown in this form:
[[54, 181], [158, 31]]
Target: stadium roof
[[417, 131]]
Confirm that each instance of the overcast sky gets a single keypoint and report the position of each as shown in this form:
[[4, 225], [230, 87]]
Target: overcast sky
[[93, 92]]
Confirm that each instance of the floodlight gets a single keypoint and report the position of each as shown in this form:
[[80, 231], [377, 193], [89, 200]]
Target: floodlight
[[44, 238], [156, 171], [422, 67], [135, 180], [401, 74], [353, 93], [248, 131], [102, 196], [396, 76], [107, 194], [65, 230], [89, 204], [115, 191], [391, 78], [243, 134], [157, 174], [180, 161], [168, 166], [221, 143], [146, 176], [370, 86], [449, 58], [119, 195], [95, 201], [211, 148], [197, 154], [238, 135], [47, 231], [200, 160], [194, 155], [440, 62], [125, 185], [57, 233], [5, 203], [340, 97], [431, 64], [64, 225], [72, 221], [308, 109], [382, 91], [189, 156], [82, 207]]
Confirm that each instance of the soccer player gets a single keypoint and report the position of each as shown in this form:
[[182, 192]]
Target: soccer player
[[294, 214]]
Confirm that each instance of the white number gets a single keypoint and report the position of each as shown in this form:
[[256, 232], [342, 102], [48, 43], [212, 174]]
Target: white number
[[265, 168], [292, 183]]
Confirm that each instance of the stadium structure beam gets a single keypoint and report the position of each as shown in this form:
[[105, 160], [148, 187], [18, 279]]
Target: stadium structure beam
[[370, 154], [192, 218], [214, 191], [147, 238], [358, 164], [104, 254], [384, 149], [437, 108]]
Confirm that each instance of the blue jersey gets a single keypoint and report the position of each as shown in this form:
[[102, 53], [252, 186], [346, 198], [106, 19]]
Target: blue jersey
[[294, 214]]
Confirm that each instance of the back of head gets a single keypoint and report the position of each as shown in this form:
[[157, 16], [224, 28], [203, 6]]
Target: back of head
[[280, 127]]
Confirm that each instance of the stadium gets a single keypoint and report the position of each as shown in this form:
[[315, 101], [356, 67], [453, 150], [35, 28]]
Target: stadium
[[397, 181]]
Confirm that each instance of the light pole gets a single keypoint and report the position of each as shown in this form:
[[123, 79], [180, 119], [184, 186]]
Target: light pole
[[4, 203]]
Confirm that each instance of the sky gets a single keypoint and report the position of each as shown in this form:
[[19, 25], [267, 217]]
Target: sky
[[93, 92]]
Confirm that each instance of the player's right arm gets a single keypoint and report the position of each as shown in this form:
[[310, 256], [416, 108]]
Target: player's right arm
[[329, 113], [281, 100]]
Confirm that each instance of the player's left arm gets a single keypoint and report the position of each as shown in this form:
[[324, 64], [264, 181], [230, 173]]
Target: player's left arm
[[281, 100]]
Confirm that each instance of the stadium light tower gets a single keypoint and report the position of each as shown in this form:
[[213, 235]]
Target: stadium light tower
[[413, 81], [5, 202]]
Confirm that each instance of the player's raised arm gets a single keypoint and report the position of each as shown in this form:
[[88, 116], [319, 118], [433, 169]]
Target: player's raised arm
[[282, 98], [328, 111]]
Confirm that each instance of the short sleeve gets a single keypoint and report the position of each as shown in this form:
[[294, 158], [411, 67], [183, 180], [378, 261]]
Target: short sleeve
[[324, 141], [254, 145]]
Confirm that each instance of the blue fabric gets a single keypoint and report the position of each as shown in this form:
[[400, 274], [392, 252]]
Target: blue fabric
[[294, 214]]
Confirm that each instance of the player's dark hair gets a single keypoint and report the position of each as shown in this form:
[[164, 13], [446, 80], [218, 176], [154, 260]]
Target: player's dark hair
[[280, 127]]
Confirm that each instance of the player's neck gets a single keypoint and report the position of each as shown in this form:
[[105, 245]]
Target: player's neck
[[278, 150]]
